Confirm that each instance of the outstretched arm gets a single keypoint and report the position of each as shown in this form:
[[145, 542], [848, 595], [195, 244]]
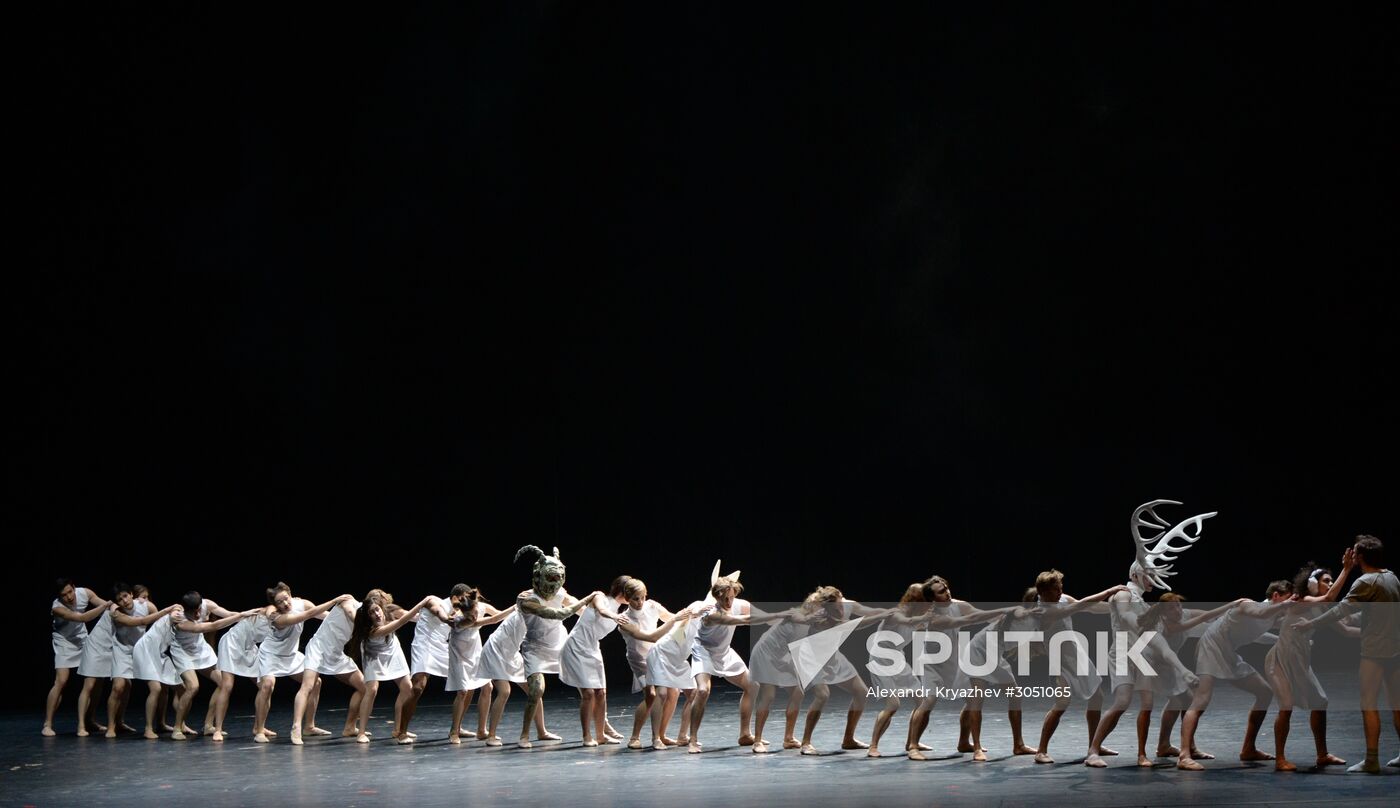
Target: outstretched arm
[[1339, 584], [197, 627], [95, 599], [656, 634], [292, 618], [217, 611], [530, 606], [405, 616], [88, 616], [438, 607], [127, 620], [1094, 603], [1204, 617], [493, 616]]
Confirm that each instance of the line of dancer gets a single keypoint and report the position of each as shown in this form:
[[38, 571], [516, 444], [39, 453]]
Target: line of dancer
[[677, 658]]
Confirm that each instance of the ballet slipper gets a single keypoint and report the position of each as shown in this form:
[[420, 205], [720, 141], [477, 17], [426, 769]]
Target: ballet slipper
[[1328, 759], [406, 738], [166, 728], [760, 748], [1168, 751], [854, 743], [82, 733], [980, 756], [127, 728], [914, 754], [177, 736], [808, 749], [188, 730], [1144, 762], [1025, 750], [269, 733], [1393, 763], [683, 740], [468, 733], [635, 743], [110, 734], [1042, 757], [47, 732], [363, 737], [1366, 767], [317, 732], [1197, 754], [670, 741], [99, 727], [1255, 754], [694, 747], [1283, 765], [549, 736], [1096, 762], [494, 741], [296, 737], [524, 743], [1104, 751], [151, 736], [923, 747], [589, 742], [658, 746], [259, 737], [965, 746], [457, 739], [1189, 765], [218, 737], [789, 743], [873, 752], [608, 739]]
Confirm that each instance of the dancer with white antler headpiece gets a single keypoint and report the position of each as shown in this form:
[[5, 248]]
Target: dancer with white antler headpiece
[[1151, 567]]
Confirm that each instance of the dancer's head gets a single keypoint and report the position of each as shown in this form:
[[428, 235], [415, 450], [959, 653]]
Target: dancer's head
[[67, 593], [1369, 551], [1031, 595], [913, 593], [938, 590], [1167, 609], [381, 595], [725, 590], [191, 603], [1312, 580], [617, 590], [464, 598], [1279, 591], [825, 600], [370, 615], [280, 595], [635, 592], [141, 591], [547, 574], [1050, 585], [121, 593]]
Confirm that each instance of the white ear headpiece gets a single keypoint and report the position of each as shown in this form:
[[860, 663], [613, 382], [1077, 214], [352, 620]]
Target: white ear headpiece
[[715, 576], [1155, 553]]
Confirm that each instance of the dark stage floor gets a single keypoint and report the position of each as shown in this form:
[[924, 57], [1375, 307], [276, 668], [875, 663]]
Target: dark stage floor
[[94, 771]]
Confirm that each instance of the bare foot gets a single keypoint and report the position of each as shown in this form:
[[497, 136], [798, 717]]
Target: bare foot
[[549, 736], [1023, 750], [1255, 754], [1331, 760], [47, 732], [1168, 751], [635, 743], [110, 734], [1041, 757], [873, 751], [1104, 751], [1095, 761], [1187, 764], [808, 749], [260, 737], [915, 754], [980, 755], [1283, 765], [746, 740], [760, 747], [791, 743], [1144, 762], [854, 743]]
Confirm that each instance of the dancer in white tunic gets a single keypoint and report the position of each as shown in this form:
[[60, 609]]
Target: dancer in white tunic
[[1175, 623], [912, 614], [237, 656], [543, 608], [151, 663], [1218, 659], [279, 653], [95, 667], [1076, 668], [428, 654], [770, 665], [325, 656], [668, 667], [838, 670], [713, 655], [72, 610], [644, 616], [581, 664], [130, 619], [192, 655], [469, 614], [977, 654], [375, 647], [1289, 669]]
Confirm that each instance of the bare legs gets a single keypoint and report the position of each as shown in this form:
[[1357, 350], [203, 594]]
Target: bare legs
[[116, 706], [1122, 697], [87, 706], [261, 704], [1374, 673], [460, 704], [662, 708], [60, 681]]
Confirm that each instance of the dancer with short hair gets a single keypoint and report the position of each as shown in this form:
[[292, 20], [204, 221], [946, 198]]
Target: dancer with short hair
[[191, 653], [645, 616], [325, 656], [432, 631], [72, 610], [279, 654], [130, 619]]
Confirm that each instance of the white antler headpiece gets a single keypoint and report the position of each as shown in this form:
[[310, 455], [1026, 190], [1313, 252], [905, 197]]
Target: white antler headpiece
[[1155, 553]]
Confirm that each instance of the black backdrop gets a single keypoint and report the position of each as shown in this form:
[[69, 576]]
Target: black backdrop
[[849, 296]]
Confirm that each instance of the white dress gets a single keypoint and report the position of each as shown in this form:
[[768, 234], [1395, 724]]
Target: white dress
[[1217, 654], [278, 654], [238, 648], [1076, 663], [96, 661], [500, 657], [429, 650], [904, 679], [190, 651], [464, 655], [544, 638], [975, 654], [839, 669], [325, 651], [646, 620], [713, 651], [384, 659], [150, 658], [770, 662], [581, 661], [124, 639], [69, 635], [1291, 658], [1123, 617], [668, 662], [945, 672]]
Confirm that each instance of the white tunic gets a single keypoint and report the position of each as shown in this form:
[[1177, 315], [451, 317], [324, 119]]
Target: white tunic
[[1291, 660], [384, 659], [770, 663], [668, 662], [1076, 663], [946, 671], [500, 657], [150, 658], [464, 655], [430, 636], [325, 651], [713, 651], [238, 648], [1217, 654], [544, 638], [904, 679], [278, 654], [69, 635], [190, 651], [96, 661], [976, 653], [581, 661], [647, 620], [839, 669], [124, 639]]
